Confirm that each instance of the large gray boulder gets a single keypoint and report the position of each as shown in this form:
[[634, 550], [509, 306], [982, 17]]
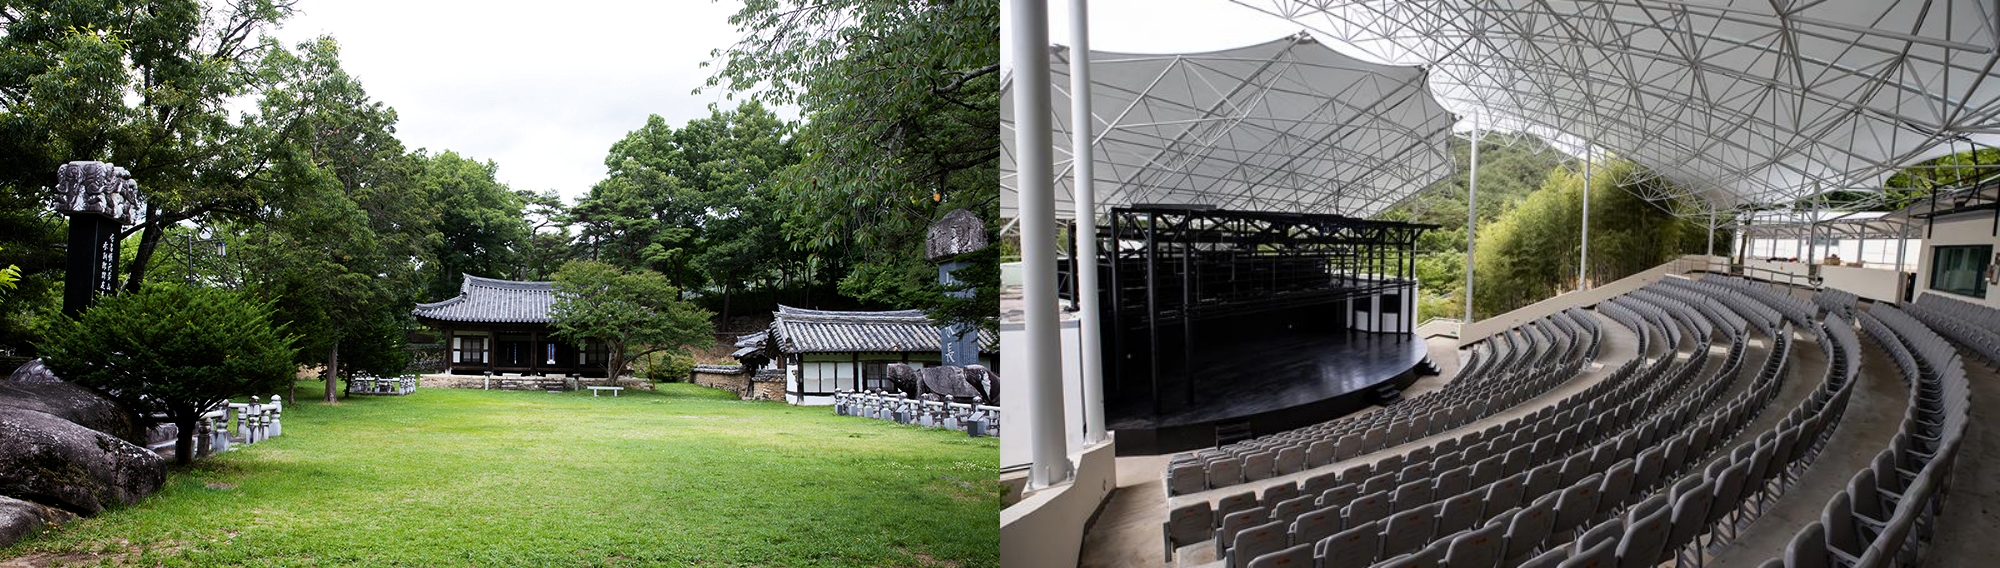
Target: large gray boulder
[[903, 377], [948, 381], [33, 372], [55, 462], [76, 404], [22, 518]]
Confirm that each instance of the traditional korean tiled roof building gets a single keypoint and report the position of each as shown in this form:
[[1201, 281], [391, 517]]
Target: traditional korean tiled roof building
[[822, 352], [503, 326]]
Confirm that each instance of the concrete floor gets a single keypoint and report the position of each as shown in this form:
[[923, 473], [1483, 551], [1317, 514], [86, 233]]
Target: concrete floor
[[1126, 533]]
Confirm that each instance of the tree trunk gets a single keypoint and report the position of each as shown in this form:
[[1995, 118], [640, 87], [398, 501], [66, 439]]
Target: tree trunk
[[726, 288], [184, 440], [333, 367], [149, 241]]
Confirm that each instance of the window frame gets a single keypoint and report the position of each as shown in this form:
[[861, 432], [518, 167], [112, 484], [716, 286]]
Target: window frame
[[1982, 254]]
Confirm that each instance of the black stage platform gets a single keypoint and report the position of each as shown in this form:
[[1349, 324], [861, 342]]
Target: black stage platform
[[1257, 384]]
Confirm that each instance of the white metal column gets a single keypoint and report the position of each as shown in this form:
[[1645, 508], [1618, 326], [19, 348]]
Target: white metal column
[[1036, 176], [1471, 217], [1081, 128], [1583, 260]]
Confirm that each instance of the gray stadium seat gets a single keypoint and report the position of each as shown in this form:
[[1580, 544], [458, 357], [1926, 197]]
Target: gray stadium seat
[[1187, 478], [1575, 506], [1260, 465], [1188, 525], [1843, 538], [1280, 492], [1256, 541], [1339, 497], [1412, 495], [1450, 483], [1808, 548], [1300, 556], [1610, 530], [1315, 525], [1460, 513], [1600, 556], [1291, 460], [1225, 472], [1550, 559], [1529, 528], [1239, 502], [1320, 453], [1645, 540], [1616, 490], [1318, 484], [1409, 530], [1541, 481], [1235, 522], [1690, 517], [1289, 510], [1505, 493], [1351, 548], [1480, 548], [1366, 508]]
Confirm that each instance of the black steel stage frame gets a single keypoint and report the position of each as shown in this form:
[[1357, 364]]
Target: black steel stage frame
[[1170, 269]]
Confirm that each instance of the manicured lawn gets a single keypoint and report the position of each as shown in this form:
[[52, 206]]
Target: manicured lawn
[[686, 476]]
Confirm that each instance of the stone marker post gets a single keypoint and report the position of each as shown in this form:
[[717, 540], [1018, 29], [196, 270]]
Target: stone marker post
[[959, 232], [100, 200]]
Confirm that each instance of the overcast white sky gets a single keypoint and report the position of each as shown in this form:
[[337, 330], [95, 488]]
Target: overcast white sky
[[1161, 26], [542, 88]]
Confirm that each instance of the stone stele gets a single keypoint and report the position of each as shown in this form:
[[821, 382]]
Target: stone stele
[[959, 232]]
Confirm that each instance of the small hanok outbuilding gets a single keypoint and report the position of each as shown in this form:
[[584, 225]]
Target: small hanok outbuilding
[[821, 352], [503, 326]]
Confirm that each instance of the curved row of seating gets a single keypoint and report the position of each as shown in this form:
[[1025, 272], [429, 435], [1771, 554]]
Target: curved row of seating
[[1652, 410], [1889, 509], [1975, 326], [1522, 364]]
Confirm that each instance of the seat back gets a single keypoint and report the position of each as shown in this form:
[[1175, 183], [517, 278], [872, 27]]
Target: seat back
[[1188, 525], [1460, 513], [1315, 525], [1479, 548], [1225, 536], [1808, 548], [1530, 527], [1409, 530], [1366, 508], [1256, 541], [1297, 556], [1351, 548], [1600, 556], [1645, 540]]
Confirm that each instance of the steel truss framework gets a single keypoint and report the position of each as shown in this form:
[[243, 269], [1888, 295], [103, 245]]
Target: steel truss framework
[[1286, 125], [1740, 103]]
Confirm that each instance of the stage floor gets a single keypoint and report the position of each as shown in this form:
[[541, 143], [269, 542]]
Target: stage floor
[[1273, 382]]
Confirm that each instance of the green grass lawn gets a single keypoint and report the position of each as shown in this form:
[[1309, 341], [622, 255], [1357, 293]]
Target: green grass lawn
[[687, 476]]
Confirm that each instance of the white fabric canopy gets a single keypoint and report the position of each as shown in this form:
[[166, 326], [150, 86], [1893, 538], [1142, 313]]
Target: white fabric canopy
[[1737, 101], [1287, 125]]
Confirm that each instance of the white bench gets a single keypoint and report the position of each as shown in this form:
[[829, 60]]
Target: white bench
[[614, 390]]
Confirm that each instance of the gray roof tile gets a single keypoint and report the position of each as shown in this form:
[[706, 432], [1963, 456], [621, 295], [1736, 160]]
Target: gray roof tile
[[490, 300], [801, 330]]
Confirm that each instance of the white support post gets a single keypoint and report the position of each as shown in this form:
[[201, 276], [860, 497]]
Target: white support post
[[1082, 129], [1583, 260], [1471, 216], [1709, 257], [1902, 244], [1042, 348]]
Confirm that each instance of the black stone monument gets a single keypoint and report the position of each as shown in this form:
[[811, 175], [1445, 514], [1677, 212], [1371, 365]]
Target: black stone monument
[[100, 200]]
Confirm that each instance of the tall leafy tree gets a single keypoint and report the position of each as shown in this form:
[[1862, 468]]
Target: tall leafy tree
[[143, 84], [174, 349], [345, 225], [634, 313], [901, 101], [480, 224]]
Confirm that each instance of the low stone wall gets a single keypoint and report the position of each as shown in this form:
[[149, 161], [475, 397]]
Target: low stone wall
[[724, 377], [508, 382], [769, 384]]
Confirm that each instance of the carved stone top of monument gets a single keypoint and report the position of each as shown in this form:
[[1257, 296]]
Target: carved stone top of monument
[[959, 232], [96, 188]]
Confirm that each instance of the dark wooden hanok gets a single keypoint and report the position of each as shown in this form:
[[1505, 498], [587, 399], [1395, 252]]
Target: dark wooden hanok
[[504, 308]]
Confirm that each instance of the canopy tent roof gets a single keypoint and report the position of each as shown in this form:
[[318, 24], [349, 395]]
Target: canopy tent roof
[[1740, 102], [1287, 125]]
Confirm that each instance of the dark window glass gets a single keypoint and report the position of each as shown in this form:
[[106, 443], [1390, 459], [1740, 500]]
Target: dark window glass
[[1392, 303], [1961, 269]]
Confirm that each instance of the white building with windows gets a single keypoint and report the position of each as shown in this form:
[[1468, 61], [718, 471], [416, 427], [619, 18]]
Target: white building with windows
[[822, 352]]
